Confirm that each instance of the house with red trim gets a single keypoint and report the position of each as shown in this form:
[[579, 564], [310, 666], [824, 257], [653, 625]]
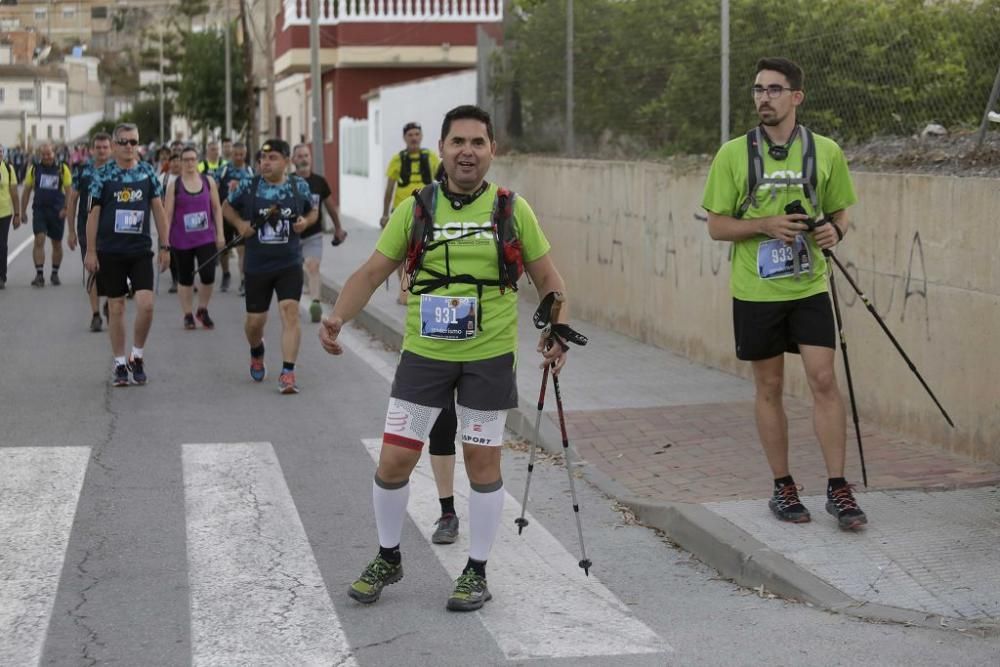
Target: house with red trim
[[364, 45]]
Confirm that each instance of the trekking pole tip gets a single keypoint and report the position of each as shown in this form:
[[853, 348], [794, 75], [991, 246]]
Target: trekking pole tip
[[585, 564], [521, 524]]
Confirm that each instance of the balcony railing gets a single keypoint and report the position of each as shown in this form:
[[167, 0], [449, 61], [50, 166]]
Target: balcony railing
[[333, 12]]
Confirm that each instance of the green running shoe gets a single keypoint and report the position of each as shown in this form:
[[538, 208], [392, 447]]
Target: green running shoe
[[379, 574], [470, 592]]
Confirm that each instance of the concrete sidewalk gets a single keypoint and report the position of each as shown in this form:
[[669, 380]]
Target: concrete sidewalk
[[676, 442]]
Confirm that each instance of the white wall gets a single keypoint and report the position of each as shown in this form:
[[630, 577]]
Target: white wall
[[424, 101], [80, 124]]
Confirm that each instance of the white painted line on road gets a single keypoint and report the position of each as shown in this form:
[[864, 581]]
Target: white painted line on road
[[257, 597], [543, 606], [19, 249], [39, 489]]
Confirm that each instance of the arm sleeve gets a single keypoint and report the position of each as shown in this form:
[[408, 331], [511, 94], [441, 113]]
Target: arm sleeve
[[722, 194], [392, 171], [529, 232], [395, 237], [837, 193]]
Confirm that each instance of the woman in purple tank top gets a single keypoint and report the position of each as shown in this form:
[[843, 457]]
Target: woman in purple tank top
[[192, 204]]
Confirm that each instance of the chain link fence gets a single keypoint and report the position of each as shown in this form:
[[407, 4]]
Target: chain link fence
[[647, 79]]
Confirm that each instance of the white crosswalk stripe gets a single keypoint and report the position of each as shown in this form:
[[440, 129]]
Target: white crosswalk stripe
[[39, 489], [257, 597], [543, 605]]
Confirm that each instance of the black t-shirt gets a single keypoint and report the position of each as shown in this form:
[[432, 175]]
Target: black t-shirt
[[320, 190]]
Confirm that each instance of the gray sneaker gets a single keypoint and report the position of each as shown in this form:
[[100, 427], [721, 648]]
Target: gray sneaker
[[447, 530]]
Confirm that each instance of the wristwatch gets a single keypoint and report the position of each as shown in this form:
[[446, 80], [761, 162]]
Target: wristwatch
[[164, 247]]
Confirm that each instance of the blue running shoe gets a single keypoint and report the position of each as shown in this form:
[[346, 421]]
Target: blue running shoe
[[138, 371]]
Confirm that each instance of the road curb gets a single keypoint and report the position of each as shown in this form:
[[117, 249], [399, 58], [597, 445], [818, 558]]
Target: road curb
[[712, 539]]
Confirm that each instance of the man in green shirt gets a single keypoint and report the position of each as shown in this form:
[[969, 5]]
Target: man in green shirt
[[409, 170], [778, 281], [461, 334]]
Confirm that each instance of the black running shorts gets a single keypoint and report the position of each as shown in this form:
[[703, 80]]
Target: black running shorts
[[488, 384], [115, 272], [769, 329], [286, 283], [185, 264]]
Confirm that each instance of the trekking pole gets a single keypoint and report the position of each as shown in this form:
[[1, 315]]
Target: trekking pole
[[881, 323], [584, 561], [847, 370], [550, 309], [558, 334], [522, 522]]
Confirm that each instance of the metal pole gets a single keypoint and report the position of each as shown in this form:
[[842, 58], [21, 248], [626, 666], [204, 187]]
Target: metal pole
[[317, 88], [994, 94], [229, 77], [570, 133], [724, 104], [162, 135]]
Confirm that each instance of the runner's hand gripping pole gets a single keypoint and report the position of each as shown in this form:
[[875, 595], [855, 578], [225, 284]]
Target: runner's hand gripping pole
[[272, 214], [555, 334]]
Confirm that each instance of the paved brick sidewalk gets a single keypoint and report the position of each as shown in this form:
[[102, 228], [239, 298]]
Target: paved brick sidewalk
[[710, 452]]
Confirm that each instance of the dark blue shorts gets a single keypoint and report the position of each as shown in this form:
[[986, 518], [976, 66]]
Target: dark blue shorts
[[49, 223]]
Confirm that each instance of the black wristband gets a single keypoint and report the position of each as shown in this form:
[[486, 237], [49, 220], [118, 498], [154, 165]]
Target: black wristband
[[164, 247]]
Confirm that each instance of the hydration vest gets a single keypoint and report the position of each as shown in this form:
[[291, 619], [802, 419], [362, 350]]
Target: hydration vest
[[406, 168], [510, 260], [755, 169]]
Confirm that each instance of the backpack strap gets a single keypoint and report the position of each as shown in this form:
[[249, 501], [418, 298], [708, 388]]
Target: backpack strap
[[405, 169], [421, 231], [755, 169], [425, 167], [509, 251]]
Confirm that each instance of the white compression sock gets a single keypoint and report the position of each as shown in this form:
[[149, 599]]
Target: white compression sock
[[485, 513], [390, 510]]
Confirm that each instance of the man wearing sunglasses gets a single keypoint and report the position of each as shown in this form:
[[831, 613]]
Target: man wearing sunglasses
[[124, 194], [778, 278]]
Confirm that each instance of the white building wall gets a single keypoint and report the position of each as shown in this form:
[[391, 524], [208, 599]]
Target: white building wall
[[424, 101], [292, 105], [80, 124]]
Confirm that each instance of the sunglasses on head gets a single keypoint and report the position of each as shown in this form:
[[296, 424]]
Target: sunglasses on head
[[127, 142]]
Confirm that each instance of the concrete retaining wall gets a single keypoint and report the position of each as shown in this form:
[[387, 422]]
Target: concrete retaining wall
[[631, 241]]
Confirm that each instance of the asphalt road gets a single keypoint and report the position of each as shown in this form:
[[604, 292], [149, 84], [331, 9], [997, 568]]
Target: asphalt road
[[205, 519]]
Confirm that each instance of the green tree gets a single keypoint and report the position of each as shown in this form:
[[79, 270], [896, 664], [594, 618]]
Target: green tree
[[146, 116], [201, 94]]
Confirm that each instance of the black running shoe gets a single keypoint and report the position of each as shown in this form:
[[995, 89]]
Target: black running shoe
[[204, 318], [189, 321], [39, 281], [379, 574], [785, 504], [840, 503], [96, 322], [54, 279], [226, 277], [119, 378], [138, 371], [470, 592]]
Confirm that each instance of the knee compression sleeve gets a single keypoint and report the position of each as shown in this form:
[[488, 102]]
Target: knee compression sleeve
[[483, 427], [408, 424]]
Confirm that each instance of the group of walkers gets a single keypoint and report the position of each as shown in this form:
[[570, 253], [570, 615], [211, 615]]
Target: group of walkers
[[460, 244]]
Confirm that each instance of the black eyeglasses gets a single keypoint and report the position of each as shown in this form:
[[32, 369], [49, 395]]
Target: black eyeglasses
[[127, 142], [772, 91]]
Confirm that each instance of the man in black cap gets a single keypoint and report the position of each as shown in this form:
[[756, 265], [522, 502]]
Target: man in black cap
[[409, 170], [271, 210]]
